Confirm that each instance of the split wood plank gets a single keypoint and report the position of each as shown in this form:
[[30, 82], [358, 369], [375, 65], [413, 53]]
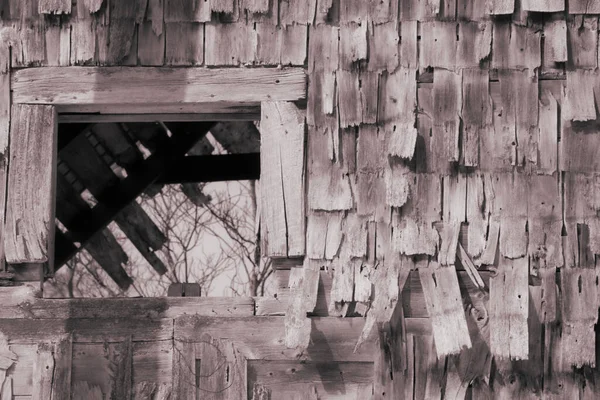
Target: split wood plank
[[543, 5], [54, 7], [30, 206], [282, 179], [444, 304], [102, 85], [43, 372], [509, 308]]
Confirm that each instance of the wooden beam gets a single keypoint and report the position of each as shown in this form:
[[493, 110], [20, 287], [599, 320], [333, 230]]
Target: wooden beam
[[229, 167], [30, 207], [102, 118], [155, 85], [169, 112]]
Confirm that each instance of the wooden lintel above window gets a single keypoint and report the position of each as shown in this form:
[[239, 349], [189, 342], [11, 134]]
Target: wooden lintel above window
[[83, 86]]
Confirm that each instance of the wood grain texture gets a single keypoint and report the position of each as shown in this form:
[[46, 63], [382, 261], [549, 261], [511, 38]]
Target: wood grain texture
[[543, 5], [516, 47], [582, 40], [54, 7], [579, 96], [509, 307], [583, 7], [285, 379], [263, 338], [74, 85], [86, 330], [444, 304], [63, 355], [43, 372], [282, 179], [30, 204], [499, 7]]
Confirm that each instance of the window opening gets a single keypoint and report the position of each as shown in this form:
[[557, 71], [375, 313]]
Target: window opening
[[158, 208]]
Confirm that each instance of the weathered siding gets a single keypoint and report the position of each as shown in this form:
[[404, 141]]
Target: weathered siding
[[429, 123]]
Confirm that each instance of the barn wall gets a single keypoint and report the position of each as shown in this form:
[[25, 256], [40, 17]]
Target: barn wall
[[437, 131]]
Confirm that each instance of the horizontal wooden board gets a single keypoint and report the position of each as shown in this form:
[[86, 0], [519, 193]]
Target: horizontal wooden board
[[89, 330], [155, 85], [18, 303], [258, 338], [124, 118], [331, 380]]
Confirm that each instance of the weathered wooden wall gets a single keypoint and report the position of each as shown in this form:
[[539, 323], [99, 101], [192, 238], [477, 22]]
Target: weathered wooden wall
[[429, 124]]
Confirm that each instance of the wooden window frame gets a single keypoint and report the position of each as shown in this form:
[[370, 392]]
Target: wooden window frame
[[87, 94]]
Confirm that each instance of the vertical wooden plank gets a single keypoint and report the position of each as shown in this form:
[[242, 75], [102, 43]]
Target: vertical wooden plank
[[447, 100], [43, 372], [509, 308], [30, 208], [5, 108], [63, 354], [184, 371], [476, 113], [282, 179], [121, 359]]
